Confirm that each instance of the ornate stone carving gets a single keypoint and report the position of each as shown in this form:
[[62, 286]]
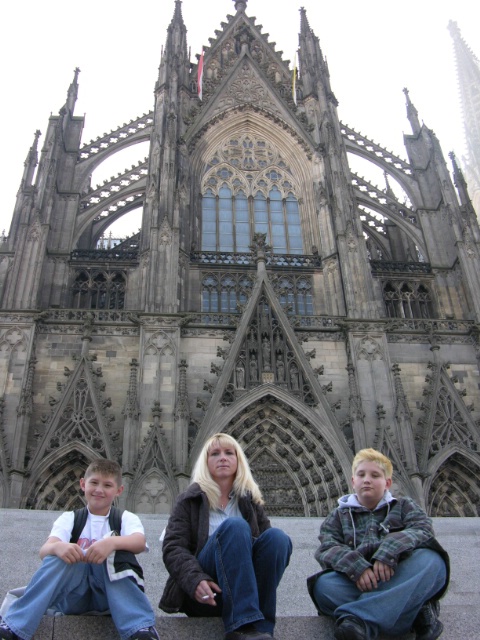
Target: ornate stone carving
[[246, 88]]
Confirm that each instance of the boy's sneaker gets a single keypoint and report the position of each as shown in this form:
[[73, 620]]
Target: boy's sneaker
[[6, 633], [146, 633], [427, 626], [350, 628]]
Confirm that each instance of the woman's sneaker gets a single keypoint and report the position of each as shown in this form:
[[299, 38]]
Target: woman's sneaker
[[427, 626]]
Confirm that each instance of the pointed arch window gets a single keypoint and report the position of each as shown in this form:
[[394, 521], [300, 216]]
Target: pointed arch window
[[294, 294], [229, 222], [94, 289], [407, 300], [222, 292], [248, 188]]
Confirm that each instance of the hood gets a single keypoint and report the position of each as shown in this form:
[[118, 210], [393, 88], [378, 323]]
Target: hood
[[351, 501]]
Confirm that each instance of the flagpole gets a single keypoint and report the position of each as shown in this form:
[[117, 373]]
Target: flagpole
[[294, 79], [200, 77]]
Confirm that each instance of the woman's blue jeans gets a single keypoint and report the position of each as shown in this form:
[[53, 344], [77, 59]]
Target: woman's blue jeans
[[73, 589], [248, 571], [394, 605]]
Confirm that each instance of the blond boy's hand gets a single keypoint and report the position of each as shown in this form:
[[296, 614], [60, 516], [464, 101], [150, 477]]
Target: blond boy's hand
[[383, 572], [367, 581], [370, 578]]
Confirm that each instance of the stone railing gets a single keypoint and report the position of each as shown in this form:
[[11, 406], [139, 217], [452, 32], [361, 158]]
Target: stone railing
[[104, 255], [248, 259], [108, 140], [386, 266], [372, 148]]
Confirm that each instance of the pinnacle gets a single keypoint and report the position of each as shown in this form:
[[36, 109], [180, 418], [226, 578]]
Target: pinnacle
[[240, 5]]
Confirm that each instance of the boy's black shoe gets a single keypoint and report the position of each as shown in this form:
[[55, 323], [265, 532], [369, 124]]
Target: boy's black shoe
[[147, 633], [427, 626], [350, 628], [6, 633]]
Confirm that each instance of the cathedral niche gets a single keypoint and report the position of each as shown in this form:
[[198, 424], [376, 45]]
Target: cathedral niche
[[294, 465], [280, 493], [58, 486], [152, 495], [454, 490]]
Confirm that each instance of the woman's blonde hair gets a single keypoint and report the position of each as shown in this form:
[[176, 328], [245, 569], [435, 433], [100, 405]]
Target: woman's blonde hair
[[372, 455], [243, 482]]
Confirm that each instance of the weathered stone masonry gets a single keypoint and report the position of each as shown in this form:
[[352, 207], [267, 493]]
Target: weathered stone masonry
[[270, 293]]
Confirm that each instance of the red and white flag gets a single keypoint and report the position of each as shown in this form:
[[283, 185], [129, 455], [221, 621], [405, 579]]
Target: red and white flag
[[200, 77]]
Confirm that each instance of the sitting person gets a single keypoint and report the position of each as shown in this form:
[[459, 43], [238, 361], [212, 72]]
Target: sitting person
[[88, 565], [384, 571], [223, 557]]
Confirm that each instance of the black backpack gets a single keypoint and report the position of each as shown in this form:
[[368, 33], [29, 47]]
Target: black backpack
[[80, 518]]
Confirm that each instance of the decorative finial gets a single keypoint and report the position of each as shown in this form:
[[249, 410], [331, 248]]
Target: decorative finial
[[240, 5]]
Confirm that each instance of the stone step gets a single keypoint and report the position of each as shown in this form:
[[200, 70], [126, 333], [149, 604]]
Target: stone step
[[458, 624], [22, 533]]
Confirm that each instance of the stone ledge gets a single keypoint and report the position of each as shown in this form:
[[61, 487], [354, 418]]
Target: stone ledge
[[23, 532], [458, 624]]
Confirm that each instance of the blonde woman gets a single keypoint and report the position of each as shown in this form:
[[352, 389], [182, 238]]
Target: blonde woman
[[223, 556]]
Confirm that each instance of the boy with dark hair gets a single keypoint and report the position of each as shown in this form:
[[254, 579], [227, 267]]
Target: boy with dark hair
[[384, 571], [89, 564]]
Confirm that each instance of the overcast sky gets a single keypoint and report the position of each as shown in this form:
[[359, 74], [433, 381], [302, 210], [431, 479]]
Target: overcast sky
[[374, 48]]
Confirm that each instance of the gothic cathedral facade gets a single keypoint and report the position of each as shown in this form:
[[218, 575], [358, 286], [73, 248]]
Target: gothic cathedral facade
[[271, 293]]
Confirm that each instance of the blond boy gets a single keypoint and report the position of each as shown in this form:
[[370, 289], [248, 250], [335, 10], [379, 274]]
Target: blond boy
[[383, 570]]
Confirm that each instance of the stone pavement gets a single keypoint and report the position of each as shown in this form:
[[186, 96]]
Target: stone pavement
[[23, 532]]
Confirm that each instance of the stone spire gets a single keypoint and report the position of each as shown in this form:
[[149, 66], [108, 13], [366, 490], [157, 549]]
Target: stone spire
[[72, 93], [388, 188], [175, 59], [412, 114], [304, 24], [460, 182], [31, 162], [312, 65], [468, 73]]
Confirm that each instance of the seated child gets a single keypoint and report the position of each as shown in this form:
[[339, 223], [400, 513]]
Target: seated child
[[384, 571], [88, 564]]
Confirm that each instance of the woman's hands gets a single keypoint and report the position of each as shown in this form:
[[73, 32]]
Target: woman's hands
[[206, 591]]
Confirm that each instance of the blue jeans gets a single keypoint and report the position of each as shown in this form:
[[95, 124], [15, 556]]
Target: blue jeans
[[248, 571], [393, 606], [73, 589]]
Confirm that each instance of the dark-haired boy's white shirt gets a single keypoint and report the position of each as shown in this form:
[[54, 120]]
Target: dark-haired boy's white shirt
[[96, 527]]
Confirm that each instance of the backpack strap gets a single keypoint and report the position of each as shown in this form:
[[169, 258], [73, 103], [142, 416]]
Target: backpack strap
[[79, 519], [115, 520]]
